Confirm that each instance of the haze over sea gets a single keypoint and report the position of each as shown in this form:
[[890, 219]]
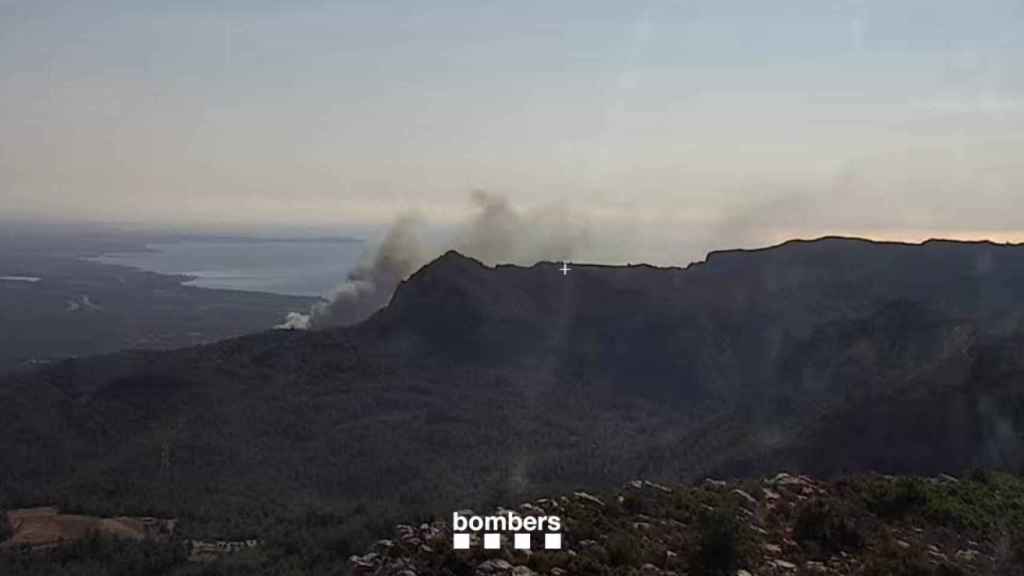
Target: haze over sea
[[306, 268]]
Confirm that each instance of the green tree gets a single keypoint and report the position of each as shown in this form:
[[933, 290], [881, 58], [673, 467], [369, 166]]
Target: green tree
[[6, 530], [828, 526], [719, 550]]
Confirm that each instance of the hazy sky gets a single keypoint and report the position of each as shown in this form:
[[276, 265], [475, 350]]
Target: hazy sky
[[733, 122]]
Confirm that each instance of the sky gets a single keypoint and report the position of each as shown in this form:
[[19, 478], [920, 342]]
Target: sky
[[710, 124]]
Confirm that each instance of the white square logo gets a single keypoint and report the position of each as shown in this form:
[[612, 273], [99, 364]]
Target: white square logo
[[504, 530]]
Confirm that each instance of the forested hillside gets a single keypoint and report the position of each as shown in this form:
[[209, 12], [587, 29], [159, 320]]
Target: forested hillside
[[479, 386]]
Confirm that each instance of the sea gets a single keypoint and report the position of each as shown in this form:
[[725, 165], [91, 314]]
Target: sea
[[294, 267]]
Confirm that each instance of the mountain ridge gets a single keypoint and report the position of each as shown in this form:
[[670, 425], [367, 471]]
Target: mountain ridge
[[478, 383]]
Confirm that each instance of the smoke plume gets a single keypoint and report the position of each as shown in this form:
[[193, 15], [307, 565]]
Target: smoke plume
[[499, 233], [495, 233], [368, 287]]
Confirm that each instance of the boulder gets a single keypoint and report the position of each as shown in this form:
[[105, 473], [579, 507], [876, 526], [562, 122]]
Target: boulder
[[588, 498], [494, 567], [746, 497]]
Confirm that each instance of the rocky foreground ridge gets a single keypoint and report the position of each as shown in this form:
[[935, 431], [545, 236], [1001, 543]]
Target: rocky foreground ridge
[[780, 525]]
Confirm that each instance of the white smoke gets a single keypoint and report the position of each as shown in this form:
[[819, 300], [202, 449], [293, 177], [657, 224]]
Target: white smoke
[[499, 233], [294, 321], [495, 233]]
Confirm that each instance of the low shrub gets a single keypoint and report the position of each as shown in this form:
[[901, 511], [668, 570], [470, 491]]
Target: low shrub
[[829, 525], [623, 550], [893, 561], [897, 499], [718, 551]]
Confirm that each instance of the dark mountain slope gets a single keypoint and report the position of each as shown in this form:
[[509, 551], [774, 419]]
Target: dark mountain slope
[[962, 412], [483, 384]]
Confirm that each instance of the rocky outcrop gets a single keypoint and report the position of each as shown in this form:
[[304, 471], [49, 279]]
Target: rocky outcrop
[[784, 525]]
